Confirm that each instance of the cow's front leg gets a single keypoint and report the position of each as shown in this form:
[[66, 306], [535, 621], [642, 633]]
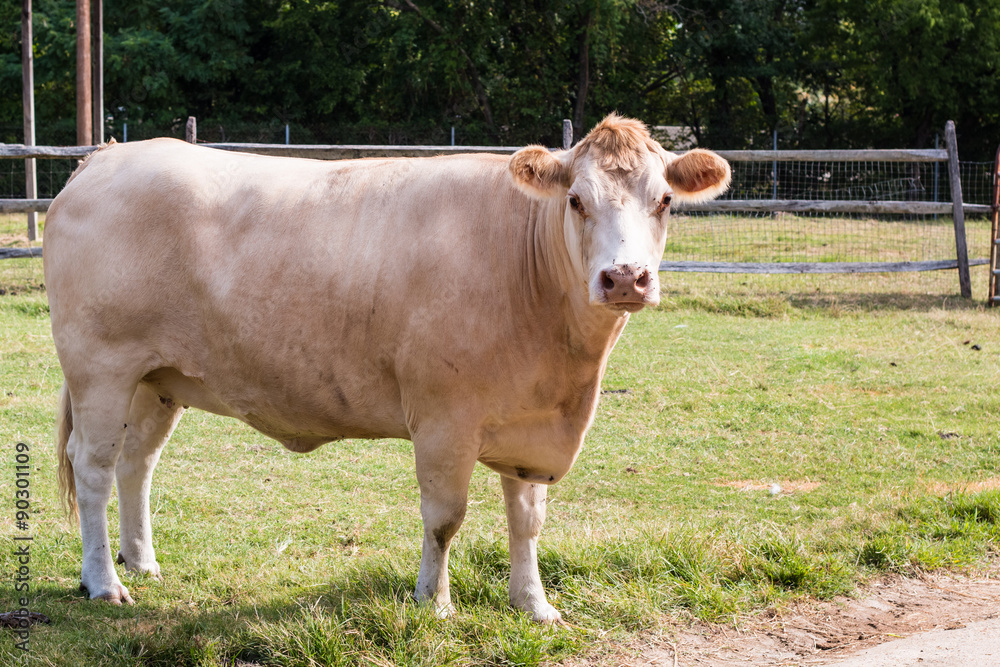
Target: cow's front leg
[[525, 516], [443, 474], [151, 420]]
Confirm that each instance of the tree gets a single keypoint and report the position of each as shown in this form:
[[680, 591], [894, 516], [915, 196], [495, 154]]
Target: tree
[[907, 66], [742, 58], [824, 73]]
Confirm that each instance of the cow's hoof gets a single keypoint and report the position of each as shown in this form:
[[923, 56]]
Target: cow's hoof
[[546, 614], [152, 569], [116, 596], [444, 610]]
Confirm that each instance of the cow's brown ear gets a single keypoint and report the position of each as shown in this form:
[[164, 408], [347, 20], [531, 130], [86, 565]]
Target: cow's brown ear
[[538, 172], [698, 175]]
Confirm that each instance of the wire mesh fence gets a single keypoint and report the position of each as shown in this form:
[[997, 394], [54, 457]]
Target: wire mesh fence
[[275, 132], [743, 237], [778, 237], [756, 237], [50, 176], [859, 181]]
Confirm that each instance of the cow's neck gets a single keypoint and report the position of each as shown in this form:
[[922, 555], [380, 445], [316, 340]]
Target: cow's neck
[[591, 330]]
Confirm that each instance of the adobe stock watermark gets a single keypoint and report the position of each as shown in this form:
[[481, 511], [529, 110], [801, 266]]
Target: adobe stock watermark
[[22, 546]]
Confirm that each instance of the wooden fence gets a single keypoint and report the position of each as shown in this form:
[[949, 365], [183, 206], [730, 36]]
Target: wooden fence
[[948, 156]]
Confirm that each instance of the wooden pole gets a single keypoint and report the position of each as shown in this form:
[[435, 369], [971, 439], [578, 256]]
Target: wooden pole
[[98, 74], [84, 112], [957, 212], [28, 99], [191, 130], [567, 134]]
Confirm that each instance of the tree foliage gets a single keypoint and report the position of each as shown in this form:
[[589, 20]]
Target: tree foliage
[[821, 73]]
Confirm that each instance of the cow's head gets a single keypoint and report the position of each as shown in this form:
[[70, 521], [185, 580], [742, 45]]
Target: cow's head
[[617, 186]]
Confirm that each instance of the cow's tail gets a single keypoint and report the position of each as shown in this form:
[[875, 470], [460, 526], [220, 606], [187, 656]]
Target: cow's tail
[[86, 160], [67, 482]]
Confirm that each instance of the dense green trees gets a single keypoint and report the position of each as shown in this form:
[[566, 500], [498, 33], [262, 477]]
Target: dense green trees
[[822, 73]]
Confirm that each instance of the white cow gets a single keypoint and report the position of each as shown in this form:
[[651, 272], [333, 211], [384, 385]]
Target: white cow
[[468, 303]]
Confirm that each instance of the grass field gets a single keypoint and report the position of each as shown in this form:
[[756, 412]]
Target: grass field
[[871, 401]]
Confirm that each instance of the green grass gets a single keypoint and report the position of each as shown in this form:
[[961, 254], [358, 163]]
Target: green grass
[[858, 395]]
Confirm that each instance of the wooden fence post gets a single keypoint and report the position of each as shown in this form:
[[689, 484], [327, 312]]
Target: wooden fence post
[[191, 131], [567, 134], [28, 99], [84, 103], [97, 76], [957, 212]]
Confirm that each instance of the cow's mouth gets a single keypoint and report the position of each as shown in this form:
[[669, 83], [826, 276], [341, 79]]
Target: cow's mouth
[[627, 307]]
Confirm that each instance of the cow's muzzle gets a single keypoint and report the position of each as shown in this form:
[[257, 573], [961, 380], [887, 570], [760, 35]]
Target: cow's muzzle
[[628, 286]]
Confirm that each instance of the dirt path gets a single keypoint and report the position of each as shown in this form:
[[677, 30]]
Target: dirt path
[[823, 633]]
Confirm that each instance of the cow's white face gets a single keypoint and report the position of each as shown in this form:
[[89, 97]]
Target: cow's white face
[[617, 185], [616, 227]]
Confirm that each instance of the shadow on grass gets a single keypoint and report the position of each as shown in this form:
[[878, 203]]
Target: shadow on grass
[[895, 301], [366, 616], [607, 589], [781, 304]]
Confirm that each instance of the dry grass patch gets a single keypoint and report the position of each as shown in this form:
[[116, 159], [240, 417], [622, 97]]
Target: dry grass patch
[[941, 488]]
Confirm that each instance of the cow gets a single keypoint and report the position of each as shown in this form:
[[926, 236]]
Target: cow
[[467, 303]]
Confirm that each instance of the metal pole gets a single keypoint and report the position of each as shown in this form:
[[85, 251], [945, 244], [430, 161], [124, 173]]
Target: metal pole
[[452, 135], [98, 73], [992, 298], [28, 101], [937, 169], [286, 134], [124, 132], [774, 169]]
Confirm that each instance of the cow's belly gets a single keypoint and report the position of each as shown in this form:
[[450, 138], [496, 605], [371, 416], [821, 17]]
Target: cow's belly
[[299, 422]]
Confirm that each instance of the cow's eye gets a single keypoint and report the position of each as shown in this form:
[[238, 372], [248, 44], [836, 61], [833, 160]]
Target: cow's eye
[[575, 204], [662, 206]]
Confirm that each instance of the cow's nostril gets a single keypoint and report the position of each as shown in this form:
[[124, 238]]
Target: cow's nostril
[[606, 281], [643, 281]]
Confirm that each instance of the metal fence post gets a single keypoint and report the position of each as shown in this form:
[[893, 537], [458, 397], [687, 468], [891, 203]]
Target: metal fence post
[[774, 169], [994, 276], [957, 212]]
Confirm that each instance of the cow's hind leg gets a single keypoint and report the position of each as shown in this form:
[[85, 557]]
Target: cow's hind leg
[[525, 516], [99, 413], [443, 472], [151, 420]]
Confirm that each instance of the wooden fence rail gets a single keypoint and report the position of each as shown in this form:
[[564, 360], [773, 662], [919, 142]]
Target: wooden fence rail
[[341, 152]]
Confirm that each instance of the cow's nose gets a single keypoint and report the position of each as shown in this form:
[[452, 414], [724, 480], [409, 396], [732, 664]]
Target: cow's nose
[[625, 283]]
